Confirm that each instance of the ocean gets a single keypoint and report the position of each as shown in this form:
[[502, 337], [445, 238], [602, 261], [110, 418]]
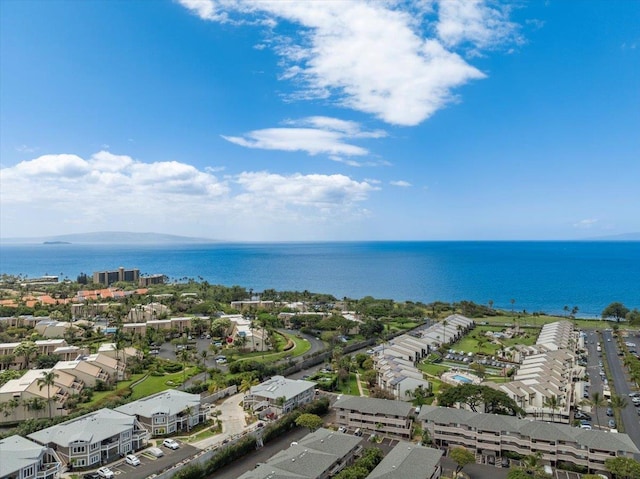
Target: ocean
[[538, 275]]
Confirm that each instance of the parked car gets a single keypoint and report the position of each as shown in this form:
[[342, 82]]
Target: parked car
[[170, 443], [155, 451], [106, 473], [504, 462], [609, 411], [342, 429], [132, 459], [91, 475], [612, 423]]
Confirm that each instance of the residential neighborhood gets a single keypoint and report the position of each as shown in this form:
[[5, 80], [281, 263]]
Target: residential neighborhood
[[132, 386]]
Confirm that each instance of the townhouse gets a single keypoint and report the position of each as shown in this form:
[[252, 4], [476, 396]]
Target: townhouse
[[551, 373], [94, 439], [279, 395], [318, 455], [24, 459], [395, 361], [25, 398], [166, 412], [491, 434], [89, 372], [373, 415], [246, 333], [409, 461], [10, 360]]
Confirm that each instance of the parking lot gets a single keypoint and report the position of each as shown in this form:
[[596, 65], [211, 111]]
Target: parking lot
[[152, 465]]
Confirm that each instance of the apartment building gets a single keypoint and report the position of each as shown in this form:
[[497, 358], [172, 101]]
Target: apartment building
[[492, 434], [94, 439], [319, 455], [24, 459], [121, 274], [408, 460], [396, 361], [166, 412], [373, 415], [279, 395]]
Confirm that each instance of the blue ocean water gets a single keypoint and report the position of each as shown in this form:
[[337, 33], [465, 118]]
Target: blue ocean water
[[539, 276]]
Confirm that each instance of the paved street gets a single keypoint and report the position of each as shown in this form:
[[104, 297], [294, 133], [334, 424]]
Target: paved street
[[629, 414]]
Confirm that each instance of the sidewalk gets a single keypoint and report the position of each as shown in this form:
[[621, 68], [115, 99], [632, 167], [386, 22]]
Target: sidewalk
[[233, 421]]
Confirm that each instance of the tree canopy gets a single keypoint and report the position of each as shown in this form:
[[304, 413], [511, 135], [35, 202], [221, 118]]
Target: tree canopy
[[461, 457], [623, 467], [480, 398], [310, 421], [615, 310]]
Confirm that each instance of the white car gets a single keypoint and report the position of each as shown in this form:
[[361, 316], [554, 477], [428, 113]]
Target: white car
[[170, 443], [132, 459], [106, 473]]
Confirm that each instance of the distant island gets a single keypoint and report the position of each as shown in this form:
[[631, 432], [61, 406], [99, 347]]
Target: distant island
[[110, 237]]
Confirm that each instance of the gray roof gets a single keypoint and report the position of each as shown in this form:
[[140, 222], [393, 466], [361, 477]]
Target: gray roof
[[93, 427], [17, 452], [169, 402], [279, 386], [369, 405], [311, 457], [544, 431], [407, 461]]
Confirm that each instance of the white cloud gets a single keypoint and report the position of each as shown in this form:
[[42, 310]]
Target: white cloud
[[66, 193], [585, 223], [373, 56], [401, 183], [314, 135], [477, 22]]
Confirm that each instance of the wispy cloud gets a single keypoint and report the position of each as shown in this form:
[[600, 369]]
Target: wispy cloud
[[313, 135], [585, 223], [400, 183], [110, 189], [378, 57], [26, 149]]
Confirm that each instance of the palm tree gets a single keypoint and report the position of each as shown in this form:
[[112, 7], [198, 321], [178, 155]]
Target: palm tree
[[553, 403], [188, 411], [26, 349], [444, 330], [533, 462], [48, 379], [247, 383], [597, 400], [618, 403]]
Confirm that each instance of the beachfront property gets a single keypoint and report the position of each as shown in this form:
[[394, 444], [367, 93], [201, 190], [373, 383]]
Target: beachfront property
[[94, 439], [318, 455], [495, 435], [408, 460], [395, 361], [279, 395], [107, 278], [24, 459], [166, 412], [373, 415]]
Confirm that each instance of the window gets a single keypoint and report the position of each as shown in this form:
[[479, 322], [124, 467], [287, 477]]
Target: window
[[78, 449], [28, 472]]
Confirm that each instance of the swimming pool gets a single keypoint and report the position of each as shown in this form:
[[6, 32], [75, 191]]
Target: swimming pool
[[461, 379]]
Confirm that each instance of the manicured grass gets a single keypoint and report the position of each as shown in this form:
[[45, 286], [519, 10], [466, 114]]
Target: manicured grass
[[350, 387], [300, 348], [100, 395], [154, 384], [432, 369]]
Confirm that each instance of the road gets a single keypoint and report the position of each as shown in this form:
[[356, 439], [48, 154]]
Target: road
[[629, 414], [600, 417]]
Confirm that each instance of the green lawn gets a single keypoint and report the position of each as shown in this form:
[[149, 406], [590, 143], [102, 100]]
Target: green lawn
[[350, 387], [432, 369], [301, 347], [154, 384]]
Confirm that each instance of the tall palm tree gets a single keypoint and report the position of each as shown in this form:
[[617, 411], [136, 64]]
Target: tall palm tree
[[444, 330], [26, 349], [48, 379], [553, 403], [618, 403], [597, 400]]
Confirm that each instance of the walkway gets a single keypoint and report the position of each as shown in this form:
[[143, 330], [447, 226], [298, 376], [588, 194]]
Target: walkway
[[233, 418]]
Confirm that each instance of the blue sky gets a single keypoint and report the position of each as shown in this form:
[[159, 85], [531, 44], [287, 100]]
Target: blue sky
[[320, 120]]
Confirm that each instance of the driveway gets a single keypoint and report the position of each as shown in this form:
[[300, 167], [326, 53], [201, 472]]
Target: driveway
[[233, 421]]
